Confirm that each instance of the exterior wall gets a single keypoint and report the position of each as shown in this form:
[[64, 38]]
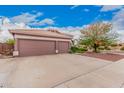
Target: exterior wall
[[32, 45]]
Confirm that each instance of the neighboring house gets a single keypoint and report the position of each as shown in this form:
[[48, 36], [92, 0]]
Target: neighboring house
[[32, 42]]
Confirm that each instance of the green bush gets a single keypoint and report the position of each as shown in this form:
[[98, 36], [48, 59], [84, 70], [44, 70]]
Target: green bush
[[10, 41], [83, 49], [77, 50], [122, 48], [73, 49]]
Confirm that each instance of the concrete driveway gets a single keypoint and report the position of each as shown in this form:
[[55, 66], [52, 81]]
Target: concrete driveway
[[62, 70]]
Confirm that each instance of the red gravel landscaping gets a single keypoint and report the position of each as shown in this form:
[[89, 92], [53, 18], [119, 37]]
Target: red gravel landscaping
[[105, 56]]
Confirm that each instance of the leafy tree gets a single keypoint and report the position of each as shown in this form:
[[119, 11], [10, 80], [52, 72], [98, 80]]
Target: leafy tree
[[10, 41], [98, 34]]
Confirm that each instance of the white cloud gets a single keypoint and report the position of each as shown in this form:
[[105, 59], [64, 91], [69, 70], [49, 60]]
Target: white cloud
[[7, 24], [75, 31], [106, 8], [5, 35], [26, 18], [46, 21], [31, 19], [118, 20], [86, 10], [121, 36], [74, 6], [118, 24]]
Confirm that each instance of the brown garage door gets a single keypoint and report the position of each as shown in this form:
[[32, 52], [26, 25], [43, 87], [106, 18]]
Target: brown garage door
[[63, 47], [36, 47]]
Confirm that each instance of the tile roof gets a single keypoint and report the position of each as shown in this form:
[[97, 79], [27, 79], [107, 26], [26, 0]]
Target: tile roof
[[39, 32]]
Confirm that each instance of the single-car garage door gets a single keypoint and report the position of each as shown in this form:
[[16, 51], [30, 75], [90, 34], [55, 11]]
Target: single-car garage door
[[63, 47], [36, 47]]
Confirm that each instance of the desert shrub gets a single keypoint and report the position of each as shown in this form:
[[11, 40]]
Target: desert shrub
[[101, 48], [120, 44], [122, 48], [75, 49], [85, 47], [10, 41], [114, 45], [107, 48]]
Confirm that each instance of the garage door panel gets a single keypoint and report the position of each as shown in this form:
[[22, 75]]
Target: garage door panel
[[36, 47], [63, 47]]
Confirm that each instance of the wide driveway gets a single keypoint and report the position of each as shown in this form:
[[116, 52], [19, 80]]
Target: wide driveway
[[62, 70]]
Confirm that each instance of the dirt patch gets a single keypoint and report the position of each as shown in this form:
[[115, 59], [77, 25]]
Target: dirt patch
[[105, 56], [5, 57]]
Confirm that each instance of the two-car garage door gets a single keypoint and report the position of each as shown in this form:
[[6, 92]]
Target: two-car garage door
[[41, 47]]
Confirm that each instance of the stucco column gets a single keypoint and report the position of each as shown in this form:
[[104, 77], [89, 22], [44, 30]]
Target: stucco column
[[16, 49], [56, 47]]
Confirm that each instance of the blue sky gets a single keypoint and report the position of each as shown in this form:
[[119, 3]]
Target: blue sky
[[67, 18], [62, 15]]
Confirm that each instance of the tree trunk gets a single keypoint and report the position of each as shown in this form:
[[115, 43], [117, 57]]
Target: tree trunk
[[95, 48]]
